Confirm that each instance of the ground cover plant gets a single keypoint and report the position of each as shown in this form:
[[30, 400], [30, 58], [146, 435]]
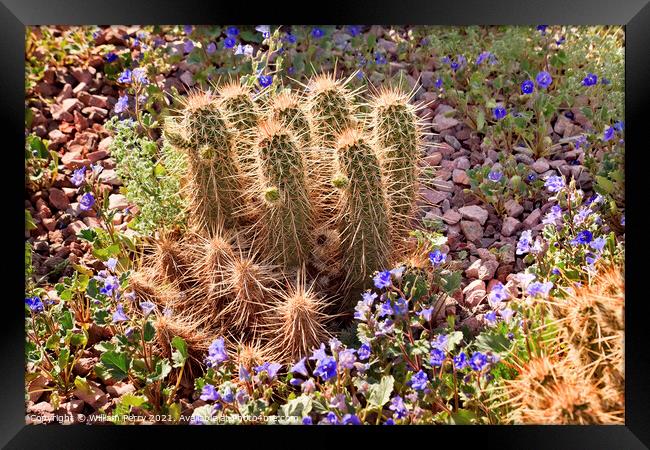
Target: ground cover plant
[[324, 225]]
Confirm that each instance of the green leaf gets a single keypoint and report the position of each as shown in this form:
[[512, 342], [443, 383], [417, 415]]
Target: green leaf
[[180, 355], [298, 407], [149, 331], [105, 253], [160, 372], [116, 364], [87, 234], [480, 121], [379, 394], [451, 282], [605, 185], [462, 417], [495, 342], [66, 321], [29, 221], [454, 339]]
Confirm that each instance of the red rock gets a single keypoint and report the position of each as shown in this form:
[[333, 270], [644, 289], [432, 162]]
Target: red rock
[[433, 159], [120, 388], [451, 217], [58, 199], [473, 293], [473, 231], [75, 227], [432, 196], [482, 269], [474, 212], [66, 92], [95, 397], [57, 137], [104, 144], [440, 122], [43, 210], [74, 160], [83, 366], [99, 101], [97, 155], [532, 219], [49, 223], [509, 226]]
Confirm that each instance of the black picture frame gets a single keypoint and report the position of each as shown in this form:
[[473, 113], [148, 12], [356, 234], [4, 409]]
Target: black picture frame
[[634, 14]]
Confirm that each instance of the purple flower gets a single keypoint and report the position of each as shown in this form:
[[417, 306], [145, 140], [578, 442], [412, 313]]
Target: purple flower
[[538, 288], [437, 357], [385, 309], [478, 361], [382, 279], [437, 257], [440, 342], [491, 318], [110, 57], [590, 80], [398, 407], [581, 216], [350, 419], [486, 56], [125, 77], [35, 304], [265, 80], [216, 353], [379, 58], [87, 201], [270, 368], [401, 306], [523, 245], [147, 307], [347, 359], [78, 176], [209, 394], [506, 314], [188, 46], [211, 49], [299, 367], [326, 368], [527, 87], [495, 175], [460, 361], [354, 30], [598, 244], [426, 313], [554, 183], [140, 76], [498, 294], [119, 316], [111, 285], [419, 381], [229, 42], [364, 352], [584, 237], [438, 83], [307, 421], [264, 29], [609, 133], [232, 31], [542, 29], [122, 104], [385, 327], [499, 112], [543, 79], [317, 33], [553, 216], [187, 29]]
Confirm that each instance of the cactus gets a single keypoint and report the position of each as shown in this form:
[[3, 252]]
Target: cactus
[[287, 215], [363, 212], [395, 127]]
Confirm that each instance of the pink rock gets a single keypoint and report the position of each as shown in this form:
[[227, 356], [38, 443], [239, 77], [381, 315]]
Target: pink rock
[[510, 226], [432, 196], [58, 199], [460, 176], [440, 123], [451, 217], [473, 231], [532, 219], [433, 159], [482, 269], [474, 212], [120, 388], [513, 208]]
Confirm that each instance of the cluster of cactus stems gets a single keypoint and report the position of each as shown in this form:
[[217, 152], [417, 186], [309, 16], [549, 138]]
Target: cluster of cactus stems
[[579, 378], [295, 199]]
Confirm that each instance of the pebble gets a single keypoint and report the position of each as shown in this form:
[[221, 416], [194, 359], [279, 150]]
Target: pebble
[[473, 231], [510, 226], [474, 212], [482, 269], [451, 217], [460, 176]]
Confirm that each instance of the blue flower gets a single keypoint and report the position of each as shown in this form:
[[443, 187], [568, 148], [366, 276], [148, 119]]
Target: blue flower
[[437, 257], [527, 87], [319, 353], [437, 357], [538, 288], [495, 175], [460, 361], [398, 407], [498, 294], [523, 245], [270, 368], [623, 220], [290, 38], [119, 316], [438, 83], [317, 33], [87, 201], [385, 309], [506, 314], [35, 304], [350, 419], [187, 29], [619, 126], [426, 313], [232, 31], [147, 307], [299, 367], [125, 77], [584, 237], [364, 352], [440, 342], [140, 76], [229, 42], [110, 57], [543, 79], [542, 29], [560, 41], [111, 285], [553, 216], [478, 361], [554, 183], [419, 381], [211, 49], [401, 306], [265, 80], [605, 81], [491, 318], [389, 421], [486, 56], [264, 29], [499, 112], [555, 271], [216, 353], [188, 46], [354, 30], [385, 327], [307, 421], [609, 133], [347, 359], [209, 393], [590, 79], [379, 58], [326, 368], [78, 176], [122, 104], [382, 279]]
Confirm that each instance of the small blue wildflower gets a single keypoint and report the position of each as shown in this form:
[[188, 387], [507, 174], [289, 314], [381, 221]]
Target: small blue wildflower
[[379, 58], [554, 183], [364, 352], [382, 279], [232, 31], [560, 41], [499, 112], [623, 220], [553, 216], [385, 327], [291, 70], [385, 309], [270, 368], [350, 419], [531, 177], [209, 394], [299, 367], [486, 56], [87, 201], [608, 134], [398, 407], [264, 29], [188, 46], [347, 358], [426, 313], [265, 80], [122, 104], [437, 257], [290, 38], [538, 288], [78, 176], [119, 316], [147, 307], [317, 33], [244, 374], [211, 48], [401, 306], [110, 57], [440, 342], [318, 353], [555, 271], [437, 357], [590, 80], [543, 79], [478, 361], [438, 83], [111, 285], [307, 421], [498, 293], [187, 29], [125, 77], [140, 76], [527, 87], [582, 140], [326, 368], [460, 361], [335, 345], [35, 304], [604, 80], [591, 258], [495, 175], [491, 318], [228, 396], [389, 421], [216, 353], [619, 126], [523, 245], [354, 30], [542, 29], [584, 237], [229, 42]]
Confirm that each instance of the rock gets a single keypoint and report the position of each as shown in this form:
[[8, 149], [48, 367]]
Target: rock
[[451, 217], [473, 231], [441, 122], [474, 212], [473, 293], [93, 157], [540, 166], [460, 177], [187, 78], [41, 409], [532, 219], [451, 140], [83, 366], [105, 144], [73, 160], [99, 101], [513, 208], [432, 196], [462, 163], [561, 124], [510, 226], [94, 396], [73, 406], [473, 324], [482, 269], [485, 254], [120, 388], [110, 177], [65, 93], [427, 79], [58, 199], [433, 159], [117, 201], [36, 388], [57, 137]]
